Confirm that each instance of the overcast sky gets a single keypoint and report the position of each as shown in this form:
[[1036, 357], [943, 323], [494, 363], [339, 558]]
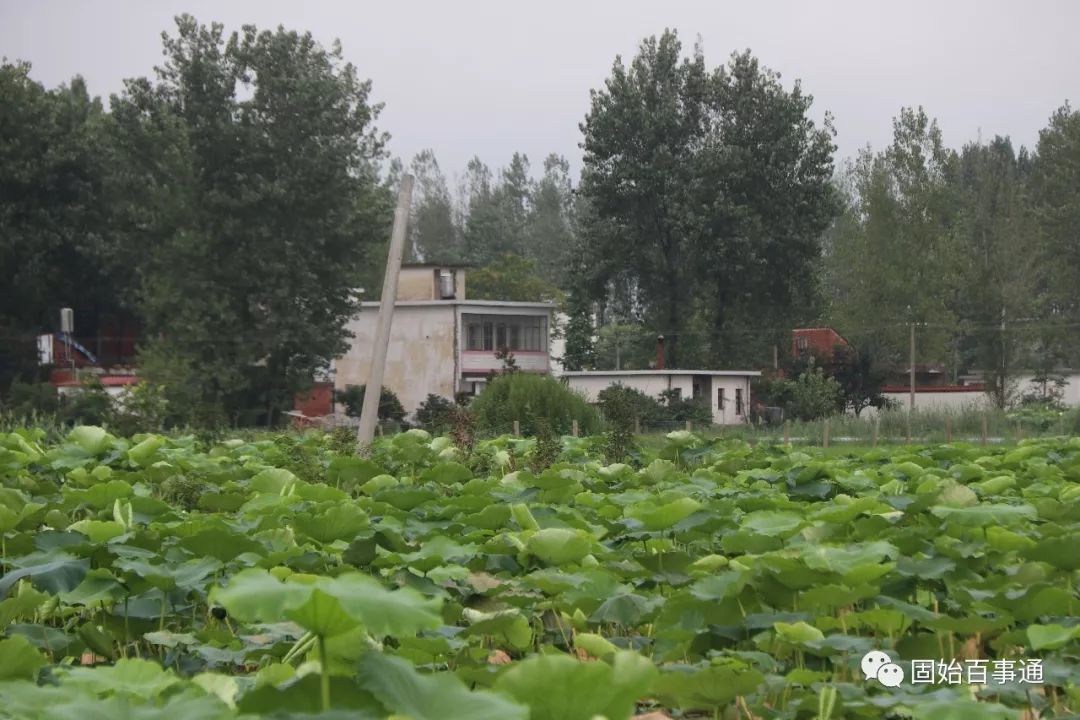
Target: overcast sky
[[488, 78]]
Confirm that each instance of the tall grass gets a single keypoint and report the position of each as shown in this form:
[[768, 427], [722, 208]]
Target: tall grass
[[896, 426]]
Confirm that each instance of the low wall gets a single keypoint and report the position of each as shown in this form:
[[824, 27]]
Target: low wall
[[940, 400]]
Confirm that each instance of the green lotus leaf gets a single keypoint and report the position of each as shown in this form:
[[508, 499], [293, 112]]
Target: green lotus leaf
[[19, 659], [437, 696], [706, 688], [585, 690], [772, 523], [132, 677], [97, 587], [1051, 637], [338, 522], [558, 546], [144, 453], [99, 531], [342, 603], [446, 473], [93, 440], [664, 516]]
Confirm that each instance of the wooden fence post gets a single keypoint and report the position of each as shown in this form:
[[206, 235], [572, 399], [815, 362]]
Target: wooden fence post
[[574, 429], [787, 432], [877, 424], [909, 427], [637, 426], [1019, 431], [948, 428], [825, 434], [379, 429], [984, 430], [689, 426], [517, 428]]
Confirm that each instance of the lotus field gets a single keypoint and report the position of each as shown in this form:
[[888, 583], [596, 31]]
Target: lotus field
[[167, 577]]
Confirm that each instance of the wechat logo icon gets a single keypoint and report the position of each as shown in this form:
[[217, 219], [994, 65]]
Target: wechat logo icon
[[876, 665]]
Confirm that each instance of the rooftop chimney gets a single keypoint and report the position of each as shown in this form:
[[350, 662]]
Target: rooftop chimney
[[659, 352]]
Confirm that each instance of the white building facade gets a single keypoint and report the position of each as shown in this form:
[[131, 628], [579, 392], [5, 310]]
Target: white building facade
[[440, 342], [727, 392]]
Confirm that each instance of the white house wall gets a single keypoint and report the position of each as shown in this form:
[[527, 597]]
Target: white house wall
[[727, 414], [928, 400], [653, 384], [419, 360], [1025, 384]]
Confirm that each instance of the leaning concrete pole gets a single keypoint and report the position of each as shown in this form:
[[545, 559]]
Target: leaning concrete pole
[[369, 413]]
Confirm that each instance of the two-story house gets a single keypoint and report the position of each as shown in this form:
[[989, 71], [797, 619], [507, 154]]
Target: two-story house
[[440, 341]]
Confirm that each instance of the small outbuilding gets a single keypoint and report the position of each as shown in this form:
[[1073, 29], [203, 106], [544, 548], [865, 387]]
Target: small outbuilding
[[727, 392]]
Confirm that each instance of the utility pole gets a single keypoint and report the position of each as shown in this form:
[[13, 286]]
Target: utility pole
[[911, 370], [1004, 368], [369, 413]]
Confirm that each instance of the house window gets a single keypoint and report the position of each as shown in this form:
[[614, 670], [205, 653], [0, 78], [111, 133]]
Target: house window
[[473, 338], [738, 401], [720, 398], [676, 393], [801, 342], [494, 332]]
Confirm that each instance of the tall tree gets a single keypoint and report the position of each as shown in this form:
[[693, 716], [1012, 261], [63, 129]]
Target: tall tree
[[641, 135], [993, 279], [433, 235], [889, 256], [550, 236], [710, 192], [55, 247], [511, 277], [1055, 194], [258, 151], [481, 214], [763, 178]]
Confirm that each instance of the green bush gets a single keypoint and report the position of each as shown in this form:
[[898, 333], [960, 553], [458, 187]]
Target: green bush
[[815, 395], [31, 399], [436, 414], [669, 408], [352, 397], [89, 405], [141, 408], [810, 396], [680, 410], [623, 406], [618, 400], [530, 398]]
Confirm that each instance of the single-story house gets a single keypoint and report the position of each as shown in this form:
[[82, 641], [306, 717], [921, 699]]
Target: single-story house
[[727, 392]]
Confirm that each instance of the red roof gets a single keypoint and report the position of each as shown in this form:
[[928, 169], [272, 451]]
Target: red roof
[[821, 340]]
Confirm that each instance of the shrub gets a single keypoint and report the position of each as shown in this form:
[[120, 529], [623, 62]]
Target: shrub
[[31, 399], [681, 410], [622, 401], [435, 414], [810, 396], [622, 406], [89, 405], [529, 398], [814, 395], [178, 385], [142, 407], [547, 449], [352, 397]]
